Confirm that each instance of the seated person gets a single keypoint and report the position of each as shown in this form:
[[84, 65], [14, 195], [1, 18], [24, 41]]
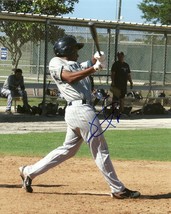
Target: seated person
[[10, 89]]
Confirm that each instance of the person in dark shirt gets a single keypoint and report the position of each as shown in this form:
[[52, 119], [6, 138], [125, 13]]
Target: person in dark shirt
[[11, 89], [120, 75]]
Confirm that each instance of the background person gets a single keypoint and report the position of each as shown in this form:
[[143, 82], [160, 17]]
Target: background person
[[14, 87], [120, 75]]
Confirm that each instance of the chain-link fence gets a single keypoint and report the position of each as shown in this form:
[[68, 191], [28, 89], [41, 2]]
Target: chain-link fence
[[147, 51]]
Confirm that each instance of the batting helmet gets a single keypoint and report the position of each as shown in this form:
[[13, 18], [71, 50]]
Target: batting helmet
[[66, 46]]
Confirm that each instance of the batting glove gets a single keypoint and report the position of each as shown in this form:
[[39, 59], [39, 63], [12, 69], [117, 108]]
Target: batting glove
[[98, 66], [101, 57]]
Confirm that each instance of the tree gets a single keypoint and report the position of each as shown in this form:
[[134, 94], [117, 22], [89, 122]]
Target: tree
[[16, 33], [157, 11]]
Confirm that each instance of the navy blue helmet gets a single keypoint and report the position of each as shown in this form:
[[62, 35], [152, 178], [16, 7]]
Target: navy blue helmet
[[66, 45]]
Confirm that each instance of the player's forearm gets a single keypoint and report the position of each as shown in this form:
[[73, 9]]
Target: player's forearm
[[130, 79], [71, 77]]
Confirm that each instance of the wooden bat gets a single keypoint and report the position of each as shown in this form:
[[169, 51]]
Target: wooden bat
[[94, 36]]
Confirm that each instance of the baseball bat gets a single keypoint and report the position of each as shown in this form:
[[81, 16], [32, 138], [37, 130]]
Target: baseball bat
[[94, 36]]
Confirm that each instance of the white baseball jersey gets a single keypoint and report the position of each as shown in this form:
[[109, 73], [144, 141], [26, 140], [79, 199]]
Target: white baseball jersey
[[76, 91]]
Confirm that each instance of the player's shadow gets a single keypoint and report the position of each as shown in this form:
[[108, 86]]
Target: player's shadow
[[15, 186], [74, 193], [16, 118], [155, 197], [48, 185], [142, 197], [10, 186]]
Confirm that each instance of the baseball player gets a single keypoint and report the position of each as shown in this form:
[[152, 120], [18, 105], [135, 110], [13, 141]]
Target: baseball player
[[72, 79], [11, 87]]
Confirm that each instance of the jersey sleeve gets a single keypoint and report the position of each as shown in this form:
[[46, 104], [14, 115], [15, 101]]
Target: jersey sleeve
[[55, 69]]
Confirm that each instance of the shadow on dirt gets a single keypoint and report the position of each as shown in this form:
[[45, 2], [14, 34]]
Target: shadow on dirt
[[144, 197], [9, 186], [159, 196], [16, 117]]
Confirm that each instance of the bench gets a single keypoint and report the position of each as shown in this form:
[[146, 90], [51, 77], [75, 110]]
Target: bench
[[137, 87], [35, 87]]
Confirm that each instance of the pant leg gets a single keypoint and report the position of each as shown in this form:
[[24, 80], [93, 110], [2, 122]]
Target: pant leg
[[7, 93], [23, 94], [85, 118], [71, 145], [122, 105], [100, 153]]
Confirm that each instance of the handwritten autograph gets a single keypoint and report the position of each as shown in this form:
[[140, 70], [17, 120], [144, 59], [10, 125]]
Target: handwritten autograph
[[94, 129]]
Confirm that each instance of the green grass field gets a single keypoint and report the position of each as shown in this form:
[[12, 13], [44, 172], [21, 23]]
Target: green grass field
[[153, 144]]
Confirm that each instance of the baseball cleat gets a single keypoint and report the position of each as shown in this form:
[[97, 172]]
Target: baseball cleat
[[26, 180], [126, 193]]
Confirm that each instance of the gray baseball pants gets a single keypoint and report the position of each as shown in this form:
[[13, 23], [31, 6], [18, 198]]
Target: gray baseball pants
[[83, 125], [10, 94]]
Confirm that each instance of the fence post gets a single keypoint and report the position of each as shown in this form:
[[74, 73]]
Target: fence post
[[108, 53], [45, 67], [165, 57], [116, 41]]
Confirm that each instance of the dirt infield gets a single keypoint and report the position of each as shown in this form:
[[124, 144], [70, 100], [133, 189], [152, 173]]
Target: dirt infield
[[77, 187], [19, 123]]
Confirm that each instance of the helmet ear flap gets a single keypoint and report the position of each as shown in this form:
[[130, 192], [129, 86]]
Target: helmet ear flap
[[66, 50]]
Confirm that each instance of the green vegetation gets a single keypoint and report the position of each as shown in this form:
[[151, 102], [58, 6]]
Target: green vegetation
[[157, 11], [15, 34], [151, 144]]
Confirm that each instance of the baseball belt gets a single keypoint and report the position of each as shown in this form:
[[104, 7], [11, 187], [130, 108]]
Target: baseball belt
[[78, 102]]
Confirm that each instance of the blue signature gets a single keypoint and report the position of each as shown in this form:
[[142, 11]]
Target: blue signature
[[108, 117]]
